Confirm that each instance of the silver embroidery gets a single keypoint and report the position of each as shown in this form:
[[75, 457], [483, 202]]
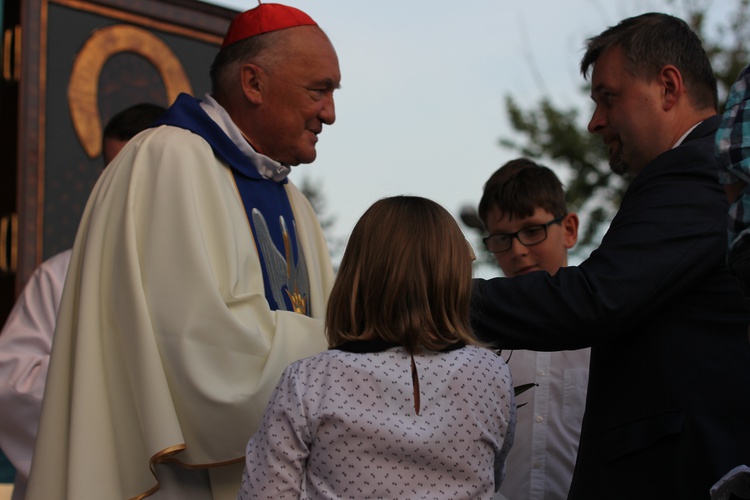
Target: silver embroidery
[[286, 278]]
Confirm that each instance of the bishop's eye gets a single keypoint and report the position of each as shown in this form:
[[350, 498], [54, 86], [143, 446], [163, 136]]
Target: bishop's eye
[[316, 94]]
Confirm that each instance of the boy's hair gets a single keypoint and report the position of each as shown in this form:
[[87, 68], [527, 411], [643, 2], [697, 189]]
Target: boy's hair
[[521, 186], [405, 278]]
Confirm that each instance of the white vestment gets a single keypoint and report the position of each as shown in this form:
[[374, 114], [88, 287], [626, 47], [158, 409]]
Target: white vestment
[[166, 350]]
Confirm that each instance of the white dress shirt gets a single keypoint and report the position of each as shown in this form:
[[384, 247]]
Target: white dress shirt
[[548, 427]]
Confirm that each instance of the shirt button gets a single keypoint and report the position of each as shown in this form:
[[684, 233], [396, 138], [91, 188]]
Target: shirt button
[[539, 418], [537, 465], [540, 373]]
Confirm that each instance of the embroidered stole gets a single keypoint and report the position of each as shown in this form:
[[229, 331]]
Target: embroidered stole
[[266, 205]]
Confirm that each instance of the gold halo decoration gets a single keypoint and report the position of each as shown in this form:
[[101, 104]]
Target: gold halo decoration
[[83, 86]]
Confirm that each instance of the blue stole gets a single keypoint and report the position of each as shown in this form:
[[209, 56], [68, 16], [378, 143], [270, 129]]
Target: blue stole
[[266, 205]]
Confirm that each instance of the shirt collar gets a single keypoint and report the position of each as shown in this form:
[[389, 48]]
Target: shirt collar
[[268, 168], [681, 139], [380, 345]]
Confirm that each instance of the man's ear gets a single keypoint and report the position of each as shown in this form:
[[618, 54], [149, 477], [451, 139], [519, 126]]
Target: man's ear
[[252, 82], [570, 230], [672, 85]]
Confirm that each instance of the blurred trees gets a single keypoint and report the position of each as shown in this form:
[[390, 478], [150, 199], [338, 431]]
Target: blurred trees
[[314, 193]]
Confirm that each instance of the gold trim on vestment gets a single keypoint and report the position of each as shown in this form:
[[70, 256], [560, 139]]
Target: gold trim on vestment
[[167, 455], [83, 86]]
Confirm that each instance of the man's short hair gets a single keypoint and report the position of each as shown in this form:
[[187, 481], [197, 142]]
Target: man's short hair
[[130, 121], [652, 41], [521, 186]]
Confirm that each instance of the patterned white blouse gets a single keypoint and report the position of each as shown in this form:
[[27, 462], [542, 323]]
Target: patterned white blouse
[[344, 425]]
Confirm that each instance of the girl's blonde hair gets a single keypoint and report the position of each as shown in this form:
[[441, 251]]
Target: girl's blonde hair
[[405, 278]]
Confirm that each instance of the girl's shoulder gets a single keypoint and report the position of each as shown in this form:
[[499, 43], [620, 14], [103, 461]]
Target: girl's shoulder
[[483, 360]]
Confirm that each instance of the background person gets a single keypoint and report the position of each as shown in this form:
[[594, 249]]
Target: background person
[[199, 273], [404, 404], [733, 152], [665, 414], [26, 338], [530, 229]]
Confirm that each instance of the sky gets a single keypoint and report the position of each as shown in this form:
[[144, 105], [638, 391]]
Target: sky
[[421, 108]]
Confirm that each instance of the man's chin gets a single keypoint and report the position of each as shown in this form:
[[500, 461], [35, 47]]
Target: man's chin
[[307, 157], [302, 159], [617, 165]]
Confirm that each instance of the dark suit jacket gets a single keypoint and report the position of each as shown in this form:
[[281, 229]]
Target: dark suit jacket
[[668, 404]]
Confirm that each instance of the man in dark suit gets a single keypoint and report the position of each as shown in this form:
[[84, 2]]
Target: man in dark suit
[[668, 405]]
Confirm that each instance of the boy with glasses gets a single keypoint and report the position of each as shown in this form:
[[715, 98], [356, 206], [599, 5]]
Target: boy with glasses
[[523, 209]]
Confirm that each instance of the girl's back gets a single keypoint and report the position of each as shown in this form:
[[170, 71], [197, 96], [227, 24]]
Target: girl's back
[[345, 424]]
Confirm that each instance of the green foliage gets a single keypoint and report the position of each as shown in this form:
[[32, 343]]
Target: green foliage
[[726, 44], [314, 194]]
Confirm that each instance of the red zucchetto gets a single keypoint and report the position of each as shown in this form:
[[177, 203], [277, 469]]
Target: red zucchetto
[[264, 18]]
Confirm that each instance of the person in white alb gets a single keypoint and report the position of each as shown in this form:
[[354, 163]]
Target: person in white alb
[[530, 229], [26, 338]]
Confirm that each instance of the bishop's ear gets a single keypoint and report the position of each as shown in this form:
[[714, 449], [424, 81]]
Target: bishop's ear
[[252, 82]]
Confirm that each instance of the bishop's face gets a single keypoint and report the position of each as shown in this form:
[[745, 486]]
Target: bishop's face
[[297, 98]]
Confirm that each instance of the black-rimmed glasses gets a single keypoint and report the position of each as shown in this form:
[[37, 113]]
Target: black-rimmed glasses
[[528, 236]]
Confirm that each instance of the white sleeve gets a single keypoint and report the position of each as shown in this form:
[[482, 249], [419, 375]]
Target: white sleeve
[[25, 344], [277, 454]]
